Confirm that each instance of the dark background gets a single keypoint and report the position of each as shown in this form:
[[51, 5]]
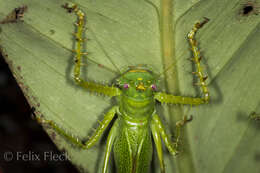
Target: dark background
[[19, 133]]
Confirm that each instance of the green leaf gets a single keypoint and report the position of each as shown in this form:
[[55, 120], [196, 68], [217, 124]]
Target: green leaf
[[220, 139]]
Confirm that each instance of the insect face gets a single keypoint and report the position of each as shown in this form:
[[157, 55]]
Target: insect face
[[137, 83]]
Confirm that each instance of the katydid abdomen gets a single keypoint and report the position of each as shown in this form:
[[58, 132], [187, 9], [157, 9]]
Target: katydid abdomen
[[132, 147]]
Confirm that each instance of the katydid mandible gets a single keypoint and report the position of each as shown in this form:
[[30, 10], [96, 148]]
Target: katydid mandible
[[137, 124]]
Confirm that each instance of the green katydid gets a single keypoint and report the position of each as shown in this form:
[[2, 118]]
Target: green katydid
[[137, 124]]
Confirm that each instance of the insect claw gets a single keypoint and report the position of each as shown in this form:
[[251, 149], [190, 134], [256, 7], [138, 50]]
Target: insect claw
[[206, 20], [189, 119], [205, 78], [76, 60]]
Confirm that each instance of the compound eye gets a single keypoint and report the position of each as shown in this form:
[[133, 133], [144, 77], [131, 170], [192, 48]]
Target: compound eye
[[153, 86], [126, 86]]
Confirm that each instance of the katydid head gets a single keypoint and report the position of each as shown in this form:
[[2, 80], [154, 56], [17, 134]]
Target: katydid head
[[138, 83]]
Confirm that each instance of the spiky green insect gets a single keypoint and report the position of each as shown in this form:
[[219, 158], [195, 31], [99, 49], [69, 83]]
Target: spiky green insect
[[136, 122]]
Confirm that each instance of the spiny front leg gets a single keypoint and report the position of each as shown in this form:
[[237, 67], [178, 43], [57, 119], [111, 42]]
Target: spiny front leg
[[93, 139], [90, 86], [197, 58], [168, 98]]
